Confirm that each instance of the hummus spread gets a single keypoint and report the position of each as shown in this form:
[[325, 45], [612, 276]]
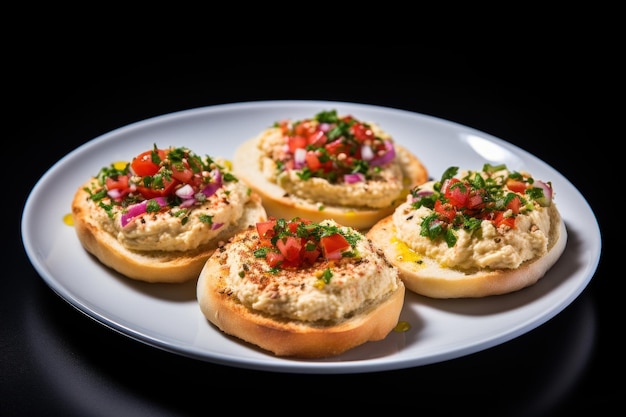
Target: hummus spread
[[501, 238], [178, 228], [333, 160], [298, 293], [167, 200]]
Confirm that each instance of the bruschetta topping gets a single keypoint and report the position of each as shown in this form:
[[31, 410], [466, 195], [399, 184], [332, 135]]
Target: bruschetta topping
[[167, 199], [338, 149], [493, 218], [494, 194], [306, 271], [300, 242], [334, 160]]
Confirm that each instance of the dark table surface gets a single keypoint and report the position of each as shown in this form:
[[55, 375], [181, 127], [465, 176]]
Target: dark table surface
[[57, 361]]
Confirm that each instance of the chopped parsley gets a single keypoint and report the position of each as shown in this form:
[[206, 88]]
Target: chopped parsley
[[494, 194]]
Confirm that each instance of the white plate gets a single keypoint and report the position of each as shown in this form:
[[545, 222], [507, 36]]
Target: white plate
[[167, 316]]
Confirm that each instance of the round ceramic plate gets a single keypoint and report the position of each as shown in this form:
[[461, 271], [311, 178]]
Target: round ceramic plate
[[167, 316]]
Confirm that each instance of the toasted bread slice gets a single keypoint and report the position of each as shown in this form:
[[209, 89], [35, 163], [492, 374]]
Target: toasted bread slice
[[150, 266], [427, 277], [282, 333], [281, 205]]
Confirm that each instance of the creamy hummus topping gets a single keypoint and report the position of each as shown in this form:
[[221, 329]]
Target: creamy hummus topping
[[167, 200], [166, 230], [485, 248], [378, 192], [488, 245], [380, 186], [296, 294]]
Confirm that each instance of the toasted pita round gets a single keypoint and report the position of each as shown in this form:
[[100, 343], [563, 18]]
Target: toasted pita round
[[288, 337], [429, 278], [280, 205], [150, 266]]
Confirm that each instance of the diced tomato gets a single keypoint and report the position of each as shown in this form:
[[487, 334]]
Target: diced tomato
[[183, 174], [457, 193], [289, 165], [313, 162], [266, 229], [445, 210], [121, 183], [334, 243], [500, 220], [475, 202], [336, 147], [361, 132], [305, 129], [144, 164], [265, 243], [509, 221], [294, 249], [274, 259], [167, 189], [514, 204], [310, 256], [292, 227], [290, 247], [317, 138], [517, 186], [296, 142]]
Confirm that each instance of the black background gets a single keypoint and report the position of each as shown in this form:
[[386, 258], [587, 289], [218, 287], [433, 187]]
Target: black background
[[553, 103]]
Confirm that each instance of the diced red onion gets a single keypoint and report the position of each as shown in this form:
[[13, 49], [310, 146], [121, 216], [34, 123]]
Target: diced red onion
[[185, 192], [161, 200], [385, 158], [115, 194], [138, 209], [547, 193], [336, 142], [210, 189], [299, 158], [133, 211], [367, 153], [420, 194], [353, 178], [216, 226], [187, 202], [333, 255]]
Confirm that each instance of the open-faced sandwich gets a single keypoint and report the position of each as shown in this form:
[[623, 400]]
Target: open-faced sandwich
[[474, 234], [159, 217], [328, 167], [301, 289]]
